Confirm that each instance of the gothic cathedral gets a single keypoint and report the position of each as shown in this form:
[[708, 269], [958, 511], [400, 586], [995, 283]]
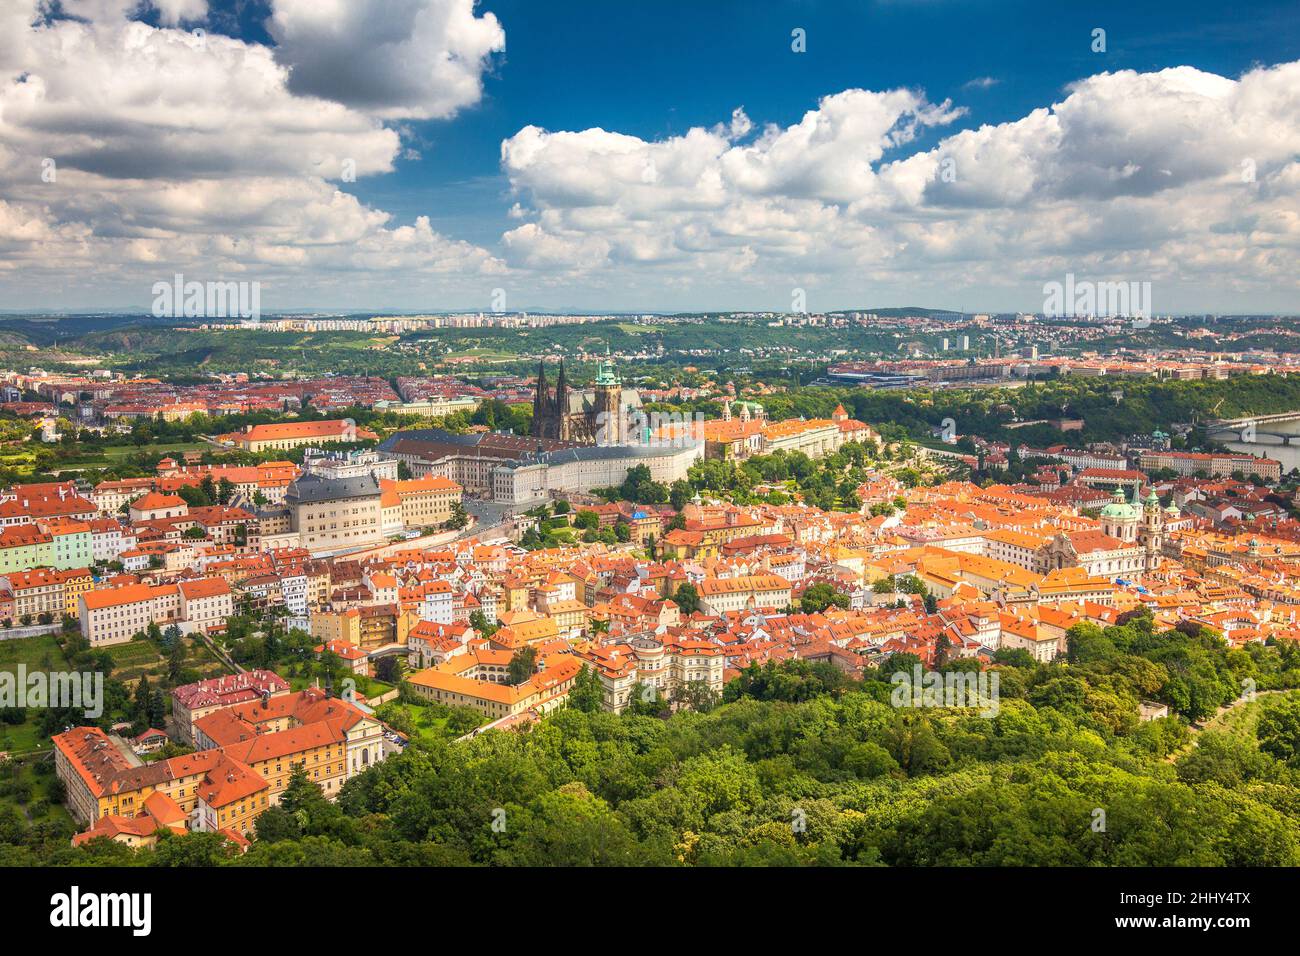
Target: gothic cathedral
[[587, 417]]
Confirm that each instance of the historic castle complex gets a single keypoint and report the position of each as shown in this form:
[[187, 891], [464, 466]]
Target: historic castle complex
[[589, 416]]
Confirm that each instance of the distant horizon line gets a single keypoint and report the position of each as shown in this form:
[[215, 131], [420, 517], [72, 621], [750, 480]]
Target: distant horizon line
[[305, 312]]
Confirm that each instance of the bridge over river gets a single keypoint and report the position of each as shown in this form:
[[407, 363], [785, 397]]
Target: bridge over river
[[1274, 436]]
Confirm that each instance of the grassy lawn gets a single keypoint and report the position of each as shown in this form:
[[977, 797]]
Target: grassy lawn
[[1242, 721], [79, 458], [486, 355], [17, 459], [133, 654], [428, 725], [116, 454], [40, 651], [367, 686], [137, 658], [203, 658], [422, 716], [24, 737], [130, 662], [26, 789]]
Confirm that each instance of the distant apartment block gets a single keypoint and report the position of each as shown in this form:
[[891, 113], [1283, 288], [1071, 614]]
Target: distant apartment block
[[1213, 466]]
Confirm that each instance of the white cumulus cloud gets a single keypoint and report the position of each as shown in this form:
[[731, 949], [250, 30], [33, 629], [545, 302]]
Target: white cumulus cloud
[[128, 150], [1178, 176], [398, 59]]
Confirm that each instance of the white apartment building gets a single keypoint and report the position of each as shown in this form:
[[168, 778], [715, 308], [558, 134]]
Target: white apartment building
[[1020, 548], [108, 539], [720, 595], [293, 588], [205, 603], [437, 603], [115, 615]]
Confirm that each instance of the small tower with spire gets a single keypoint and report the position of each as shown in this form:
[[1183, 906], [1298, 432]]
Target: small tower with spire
[[1151, 532], [541, 399], [562, 395], [610, 427]]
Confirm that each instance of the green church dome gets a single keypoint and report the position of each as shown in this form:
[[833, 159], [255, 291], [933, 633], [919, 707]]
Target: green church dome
[[1118, 507]]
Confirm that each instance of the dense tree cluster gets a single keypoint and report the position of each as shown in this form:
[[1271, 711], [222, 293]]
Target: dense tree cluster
[[829, 483], [803, 764], [1109, 413]]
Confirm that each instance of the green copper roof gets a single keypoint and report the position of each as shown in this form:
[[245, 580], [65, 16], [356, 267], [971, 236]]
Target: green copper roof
[[606, 374], [1118, 507]]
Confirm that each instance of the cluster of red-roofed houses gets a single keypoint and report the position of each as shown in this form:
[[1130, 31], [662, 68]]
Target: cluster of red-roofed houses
[[250, 733], [948, 571]]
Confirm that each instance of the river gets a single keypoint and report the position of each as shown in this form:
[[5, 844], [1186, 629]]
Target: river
[[1268, 445]]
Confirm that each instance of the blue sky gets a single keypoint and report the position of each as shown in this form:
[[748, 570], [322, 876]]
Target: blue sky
[[655, 70], [586, 156]]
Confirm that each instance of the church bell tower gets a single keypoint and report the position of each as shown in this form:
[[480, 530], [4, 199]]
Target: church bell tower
[[610, 427]]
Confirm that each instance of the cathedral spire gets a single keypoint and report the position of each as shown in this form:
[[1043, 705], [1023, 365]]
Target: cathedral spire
[[539, 395]]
